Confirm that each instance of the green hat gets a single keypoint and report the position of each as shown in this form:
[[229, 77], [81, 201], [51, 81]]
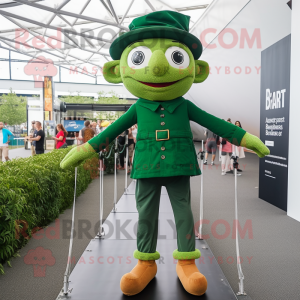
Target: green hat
[[160, 24]]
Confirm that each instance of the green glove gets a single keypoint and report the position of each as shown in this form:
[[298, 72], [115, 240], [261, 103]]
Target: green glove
[[77, 155], [252, 142]]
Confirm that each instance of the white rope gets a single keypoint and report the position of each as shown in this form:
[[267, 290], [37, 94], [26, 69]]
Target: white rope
[[115, 176], [239, 267], [68, 269], [201, 197], [101, 196], [126, 162]]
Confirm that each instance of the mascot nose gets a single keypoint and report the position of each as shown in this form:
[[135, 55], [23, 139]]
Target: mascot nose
[[158, 63]]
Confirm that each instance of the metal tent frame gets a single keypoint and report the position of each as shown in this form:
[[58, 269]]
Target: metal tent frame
[[68, 23]]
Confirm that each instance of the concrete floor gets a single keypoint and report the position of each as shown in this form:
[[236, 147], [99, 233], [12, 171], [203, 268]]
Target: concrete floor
[[269, 249]]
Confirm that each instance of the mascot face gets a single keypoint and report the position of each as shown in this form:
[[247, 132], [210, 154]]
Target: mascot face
[[156, 69]]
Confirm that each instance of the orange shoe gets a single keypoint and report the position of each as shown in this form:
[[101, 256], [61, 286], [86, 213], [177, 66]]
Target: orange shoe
[[192, 280], [134, 282]]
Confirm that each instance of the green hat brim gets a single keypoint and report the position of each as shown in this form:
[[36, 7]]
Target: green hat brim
[[117, 47]]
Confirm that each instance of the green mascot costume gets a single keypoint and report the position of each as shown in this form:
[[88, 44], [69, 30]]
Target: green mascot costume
[[157, 61]]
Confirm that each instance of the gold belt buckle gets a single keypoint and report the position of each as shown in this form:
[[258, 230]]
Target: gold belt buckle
[[162, 131]]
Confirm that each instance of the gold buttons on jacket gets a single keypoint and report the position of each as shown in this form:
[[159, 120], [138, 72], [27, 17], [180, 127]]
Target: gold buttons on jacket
[[163, 157], [162, 116], [162, 123], [163, 148]]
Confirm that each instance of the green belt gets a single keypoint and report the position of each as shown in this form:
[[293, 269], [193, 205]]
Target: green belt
[[164, 135]]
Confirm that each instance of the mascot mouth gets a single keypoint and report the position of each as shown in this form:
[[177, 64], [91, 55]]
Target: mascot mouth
[[159, 85]]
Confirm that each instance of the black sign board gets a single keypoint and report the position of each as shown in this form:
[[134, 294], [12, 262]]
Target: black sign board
[[274, 122]]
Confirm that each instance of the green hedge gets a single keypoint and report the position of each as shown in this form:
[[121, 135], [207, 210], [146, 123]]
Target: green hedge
[[36, 190]]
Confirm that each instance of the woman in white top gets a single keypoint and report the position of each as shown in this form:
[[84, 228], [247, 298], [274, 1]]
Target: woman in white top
[[94, 127], [134, 132]]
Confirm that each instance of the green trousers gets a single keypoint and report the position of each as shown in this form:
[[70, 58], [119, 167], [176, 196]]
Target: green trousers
[[147, 202]]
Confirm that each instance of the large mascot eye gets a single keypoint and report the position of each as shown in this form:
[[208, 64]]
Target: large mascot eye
[[177, 57], [139, 57]]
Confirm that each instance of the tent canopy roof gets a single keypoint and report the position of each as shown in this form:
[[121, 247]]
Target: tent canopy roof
[[78, 32]]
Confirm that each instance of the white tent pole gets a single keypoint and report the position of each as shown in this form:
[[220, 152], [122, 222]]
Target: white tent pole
[[70, 14], [126, 12]]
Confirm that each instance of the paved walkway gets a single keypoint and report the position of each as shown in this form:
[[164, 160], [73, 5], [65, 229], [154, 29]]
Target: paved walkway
[[20, 152]]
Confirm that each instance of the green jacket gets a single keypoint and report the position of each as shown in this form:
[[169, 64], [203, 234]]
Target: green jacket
[[164, 141]]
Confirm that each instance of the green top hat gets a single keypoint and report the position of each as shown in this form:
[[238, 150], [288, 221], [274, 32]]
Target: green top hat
[[159, 24]]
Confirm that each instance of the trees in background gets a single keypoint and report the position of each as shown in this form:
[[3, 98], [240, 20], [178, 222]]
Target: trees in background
[[102, 99], [13, 109]]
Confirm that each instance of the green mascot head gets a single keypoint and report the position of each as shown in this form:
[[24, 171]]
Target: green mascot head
[[158, 58]]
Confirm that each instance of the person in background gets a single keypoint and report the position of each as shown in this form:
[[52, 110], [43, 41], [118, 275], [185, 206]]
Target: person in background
[[79, 138], [94, 127], [226, 152], [4, 141], [39, 137], [61, 136], [134, 132], [31, 134], [225, 157], [240, 150], [130, 148], [99, 125], [105, 124], [121, 143], [210, 145], [86, 133], [238, 123]]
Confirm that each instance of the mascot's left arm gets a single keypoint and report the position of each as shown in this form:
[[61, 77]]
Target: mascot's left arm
[[232, 133]]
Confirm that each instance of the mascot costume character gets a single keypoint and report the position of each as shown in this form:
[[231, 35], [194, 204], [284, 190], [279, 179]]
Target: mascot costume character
[[157, 61]]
